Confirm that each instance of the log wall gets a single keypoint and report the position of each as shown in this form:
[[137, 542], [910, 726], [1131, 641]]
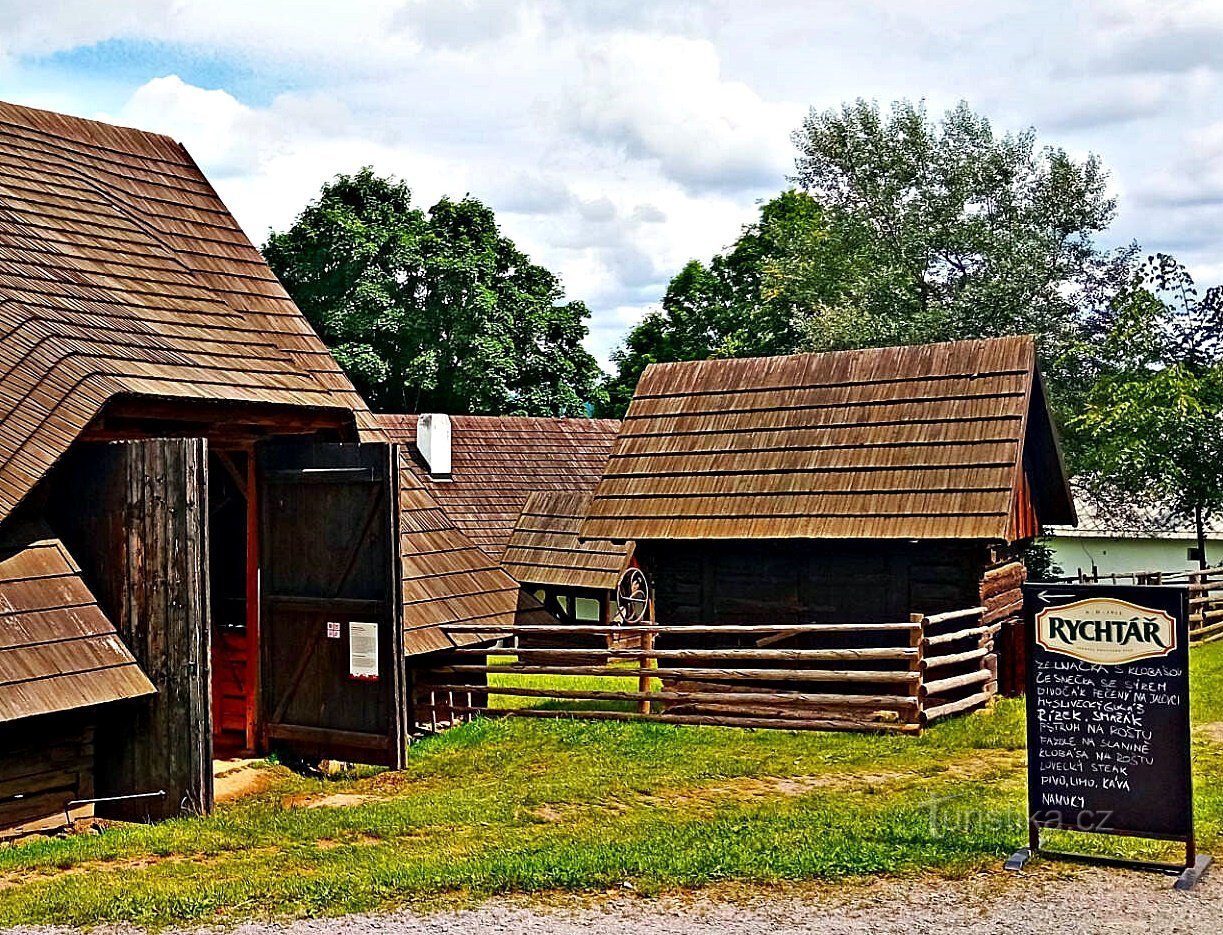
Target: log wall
[[1002, 597], [45, 763], [804, 581]]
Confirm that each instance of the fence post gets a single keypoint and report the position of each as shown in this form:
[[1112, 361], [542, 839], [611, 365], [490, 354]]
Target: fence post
[[917, 640], [647, 662]]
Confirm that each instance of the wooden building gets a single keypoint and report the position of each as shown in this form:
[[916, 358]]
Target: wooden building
[[842, 488], [269, 560], [61, 663], [518, 487]]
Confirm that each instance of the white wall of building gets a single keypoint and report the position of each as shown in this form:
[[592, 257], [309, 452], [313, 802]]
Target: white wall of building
[[1114, 556]]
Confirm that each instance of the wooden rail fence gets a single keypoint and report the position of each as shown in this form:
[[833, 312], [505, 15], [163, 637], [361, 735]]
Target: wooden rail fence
[[1205, 595], [897, 676]]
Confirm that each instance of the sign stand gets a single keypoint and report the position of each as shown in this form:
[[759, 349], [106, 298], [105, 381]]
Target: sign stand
[[1108, 720]]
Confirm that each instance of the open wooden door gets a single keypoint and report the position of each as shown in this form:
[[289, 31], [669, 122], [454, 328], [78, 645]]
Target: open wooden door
[[331, 659]]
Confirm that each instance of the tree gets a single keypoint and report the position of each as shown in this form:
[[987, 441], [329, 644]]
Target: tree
[[737, 305], [966, 234], [433, 311], [905, 230], [1153, 420]]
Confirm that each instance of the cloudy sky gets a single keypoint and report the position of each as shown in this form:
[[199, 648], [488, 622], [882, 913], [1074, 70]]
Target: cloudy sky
[[617, 139]]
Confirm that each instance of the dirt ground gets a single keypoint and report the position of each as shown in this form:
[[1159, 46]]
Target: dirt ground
[[1061, 899]]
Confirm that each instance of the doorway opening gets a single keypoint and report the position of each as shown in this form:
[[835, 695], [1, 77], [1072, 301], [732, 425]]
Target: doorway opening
[[232, 590]]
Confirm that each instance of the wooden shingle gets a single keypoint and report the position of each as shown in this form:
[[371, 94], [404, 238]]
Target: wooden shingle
[[58, 651], [923, 442], [123, 274], [499, 461], [544, 549], [446, 579]]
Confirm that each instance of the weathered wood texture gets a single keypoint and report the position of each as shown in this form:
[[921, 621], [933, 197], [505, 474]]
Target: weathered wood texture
[[445, 578], [545, 551], [122, 273], [809, 581], [58, 650], [45, 763], [499, 461], [328, 539], [895, 676], [1002, 597], [919, 442], [133, 514]]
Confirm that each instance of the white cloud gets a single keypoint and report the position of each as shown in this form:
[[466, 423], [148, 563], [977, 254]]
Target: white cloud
[[618, 139], [663, 98]]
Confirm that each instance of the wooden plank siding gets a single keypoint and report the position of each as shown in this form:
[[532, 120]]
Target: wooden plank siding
[[920, 442], [46, 763], [544, 549], [134, 516], [122, 274]]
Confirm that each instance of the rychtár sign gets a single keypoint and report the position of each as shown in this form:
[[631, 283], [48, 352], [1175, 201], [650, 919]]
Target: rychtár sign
[[1108, 717]]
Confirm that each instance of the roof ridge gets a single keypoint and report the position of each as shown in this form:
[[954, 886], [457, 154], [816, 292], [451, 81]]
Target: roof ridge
[[88, 130]]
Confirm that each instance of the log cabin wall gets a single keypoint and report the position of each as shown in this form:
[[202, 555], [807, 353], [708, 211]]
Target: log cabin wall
[[45, 763], [1002, 598], [780, 582]]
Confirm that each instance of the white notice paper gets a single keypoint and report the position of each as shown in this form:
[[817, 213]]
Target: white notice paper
[[362, 650]]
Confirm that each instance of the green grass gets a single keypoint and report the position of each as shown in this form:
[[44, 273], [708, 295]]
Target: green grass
[[522, 806]]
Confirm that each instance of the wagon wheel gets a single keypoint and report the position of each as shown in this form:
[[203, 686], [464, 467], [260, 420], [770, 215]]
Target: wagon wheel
[[632, 597]]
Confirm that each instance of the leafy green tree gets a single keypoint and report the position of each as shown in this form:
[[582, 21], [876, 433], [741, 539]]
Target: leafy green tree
[[433, 311], [739, 305], [906, 230], [967, 233], [1153, 420]]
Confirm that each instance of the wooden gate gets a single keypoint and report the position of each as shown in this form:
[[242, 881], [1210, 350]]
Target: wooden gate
[[331, 663]]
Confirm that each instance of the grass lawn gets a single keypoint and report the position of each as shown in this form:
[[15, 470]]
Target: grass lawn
[[513, 806]]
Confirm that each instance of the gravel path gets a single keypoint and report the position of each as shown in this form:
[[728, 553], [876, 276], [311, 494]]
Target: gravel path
[[1050, 900]]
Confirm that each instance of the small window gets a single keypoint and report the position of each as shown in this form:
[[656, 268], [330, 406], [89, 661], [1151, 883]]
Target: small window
[[1193, 553]]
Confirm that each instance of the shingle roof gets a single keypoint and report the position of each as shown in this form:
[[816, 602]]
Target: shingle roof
[[121, 272], [446, 579], [545, 550], [57, 649], [929, 441], [1124, 519], [499, 461]]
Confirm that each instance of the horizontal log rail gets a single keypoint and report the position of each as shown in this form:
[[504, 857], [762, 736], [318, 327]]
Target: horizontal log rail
[[679, 630], [814, 699], [893, 675], [726, 674], [899, 653], [710, 720], [954, 615], [960, 635]]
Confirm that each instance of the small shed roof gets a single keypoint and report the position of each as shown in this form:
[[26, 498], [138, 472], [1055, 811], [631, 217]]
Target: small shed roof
[[121, 274], [58, 651], [447, 580], [934, 441], [544, 548], [499, 461]]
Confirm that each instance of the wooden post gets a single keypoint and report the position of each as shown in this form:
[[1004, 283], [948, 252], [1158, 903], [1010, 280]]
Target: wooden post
[[917, 640], [254, 742], [647, 662]]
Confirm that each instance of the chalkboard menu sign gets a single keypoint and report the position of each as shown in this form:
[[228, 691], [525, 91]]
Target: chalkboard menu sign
[[1108, 710]]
